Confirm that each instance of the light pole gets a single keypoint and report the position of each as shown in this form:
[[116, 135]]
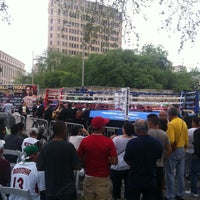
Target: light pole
[[32, 67], [83, 67], [66, 23]]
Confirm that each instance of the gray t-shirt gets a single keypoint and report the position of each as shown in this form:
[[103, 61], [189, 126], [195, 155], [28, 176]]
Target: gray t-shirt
[[8, 108], [163, 138]]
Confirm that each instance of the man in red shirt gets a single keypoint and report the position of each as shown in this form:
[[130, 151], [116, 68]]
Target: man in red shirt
[[97, 152]]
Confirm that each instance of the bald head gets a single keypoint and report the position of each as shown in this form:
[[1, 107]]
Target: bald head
[[163, 114], [141, 127]]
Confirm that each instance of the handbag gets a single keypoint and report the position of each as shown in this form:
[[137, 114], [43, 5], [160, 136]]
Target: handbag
[[122, 165]]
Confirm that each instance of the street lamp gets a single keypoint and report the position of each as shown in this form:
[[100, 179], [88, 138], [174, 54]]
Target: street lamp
[[83, 67], [32, 67], [68, 24]]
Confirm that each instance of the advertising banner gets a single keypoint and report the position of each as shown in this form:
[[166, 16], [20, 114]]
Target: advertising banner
[[16, 94]]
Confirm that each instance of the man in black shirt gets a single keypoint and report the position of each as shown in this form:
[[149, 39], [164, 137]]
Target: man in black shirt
[[141, 154], [58, 159]]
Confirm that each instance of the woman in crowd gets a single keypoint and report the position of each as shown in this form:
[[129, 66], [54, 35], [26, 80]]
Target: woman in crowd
[[120, 171]]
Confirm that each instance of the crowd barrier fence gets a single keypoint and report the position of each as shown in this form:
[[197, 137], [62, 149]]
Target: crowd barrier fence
[[11, 119], [37, 122], [69, 126], [109, 131]]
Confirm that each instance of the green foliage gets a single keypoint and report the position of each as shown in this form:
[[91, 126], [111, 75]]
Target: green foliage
[[148, 69], [23, 78]]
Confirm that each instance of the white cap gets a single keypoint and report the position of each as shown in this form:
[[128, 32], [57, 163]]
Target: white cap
[[2, 142], [36, 130]]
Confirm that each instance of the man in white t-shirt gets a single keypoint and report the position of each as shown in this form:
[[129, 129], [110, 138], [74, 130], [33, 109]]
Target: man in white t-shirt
[[32, 139], [25, 175], [77, 136]]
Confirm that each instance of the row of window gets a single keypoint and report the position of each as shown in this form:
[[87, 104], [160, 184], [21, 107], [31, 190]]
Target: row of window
[[93, 48], [74, 38], [10, 60], [8, 73]]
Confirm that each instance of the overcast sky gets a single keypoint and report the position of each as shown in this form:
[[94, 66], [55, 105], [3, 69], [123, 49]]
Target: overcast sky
[[28, 33]]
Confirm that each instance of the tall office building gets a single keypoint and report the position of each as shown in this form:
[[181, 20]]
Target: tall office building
[[79, 27], [11, 68]]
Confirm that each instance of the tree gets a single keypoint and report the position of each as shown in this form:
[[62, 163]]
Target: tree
[[116, 68], [4, 11]]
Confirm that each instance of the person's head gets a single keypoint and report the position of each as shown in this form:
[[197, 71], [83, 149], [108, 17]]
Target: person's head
[[14, 129], [29, 91], [60, 129], [21, 126], [69, 105], [128, 128], [75, 131], [141, 127], [60, 103], [163, 114], [195, 122], [163, 124], [41, 133], [34, 132], [98, 124], [172, 113], [152, 120], [2, 142], [31, 153]]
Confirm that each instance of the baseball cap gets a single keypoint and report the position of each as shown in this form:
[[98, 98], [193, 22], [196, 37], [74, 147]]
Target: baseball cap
[[2, 142], [36, 130], [98, 122], [31, 150]]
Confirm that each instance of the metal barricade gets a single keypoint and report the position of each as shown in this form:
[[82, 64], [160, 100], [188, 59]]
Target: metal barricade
[[109, 131], [69, 126], [19, 118], [36, 122]]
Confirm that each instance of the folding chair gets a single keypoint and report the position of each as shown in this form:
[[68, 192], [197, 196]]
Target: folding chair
[[78, 174], [5, 191], [16, 153]]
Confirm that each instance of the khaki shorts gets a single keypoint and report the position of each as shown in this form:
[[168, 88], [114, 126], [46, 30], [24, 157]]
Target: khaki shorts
[[95, 188]]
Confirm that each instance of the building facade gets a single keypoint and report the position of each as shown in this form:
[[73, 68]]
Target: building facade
[[10, 67], [79, 27]]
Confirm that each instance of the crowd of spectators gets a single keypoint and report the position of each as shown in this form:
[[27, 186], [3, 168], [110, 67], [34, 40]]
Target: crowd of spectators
[[147, 159]]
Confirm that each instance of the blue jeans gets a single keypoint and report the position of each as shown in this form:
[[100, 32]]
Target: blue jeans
[[174, 168], [194, 174], [188, 158]]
